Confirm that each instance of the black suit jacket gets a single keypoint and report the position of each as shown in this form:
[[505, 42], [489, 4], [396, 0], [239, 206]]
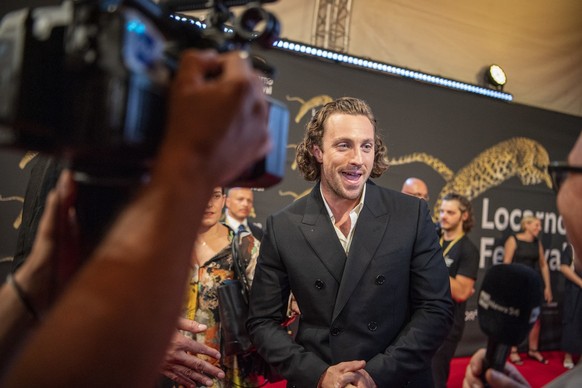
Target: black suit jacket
[[256, 230], [387, 303]]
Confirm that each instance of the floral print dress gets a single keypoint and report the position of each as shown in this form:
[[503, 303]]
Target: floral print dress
[[202, 306]]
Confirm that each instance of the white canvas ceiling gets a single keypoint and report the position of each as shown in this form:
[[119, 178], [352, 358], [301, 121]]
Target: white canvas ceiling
[[537, 42]]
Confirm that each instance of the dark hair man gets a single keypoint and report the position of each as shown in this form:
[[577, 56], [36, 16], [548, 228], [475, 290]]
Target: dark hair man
[[362, 261], [462, 259], [239, 204]]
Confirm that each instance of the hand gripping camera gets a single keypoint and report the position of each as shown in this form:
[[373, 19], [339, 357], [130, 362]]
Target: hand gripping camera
[[89, 79]]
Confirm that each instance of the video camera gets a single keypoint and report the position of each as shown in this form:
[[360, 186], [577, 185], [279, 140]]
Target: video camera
[[89, 79]]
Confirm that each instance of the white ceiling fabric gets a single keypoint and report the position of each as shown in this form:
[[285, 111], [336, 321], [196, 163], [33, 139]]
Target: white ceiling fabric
[[537, 42]]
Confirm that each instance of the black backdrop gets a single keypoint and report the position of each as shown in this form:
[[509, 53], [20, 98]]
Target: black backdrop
[[454, 127], [451, 126]]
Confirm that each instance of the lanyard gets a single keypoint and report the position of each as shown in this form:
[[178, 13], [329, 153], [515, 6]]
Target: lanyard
[[450, 246]]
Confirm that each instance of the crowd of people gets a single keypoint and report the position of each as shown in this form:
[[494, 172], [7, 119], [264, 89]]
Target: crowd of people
[[568, 186], [381, 295]]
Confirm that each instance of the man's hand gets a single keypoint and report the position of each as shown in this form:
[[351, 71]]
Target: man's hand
[[293, 308], [347, 374], [217, 105], [55, 247], [363, 380], [181, 363], [511, 378], [548, 294]]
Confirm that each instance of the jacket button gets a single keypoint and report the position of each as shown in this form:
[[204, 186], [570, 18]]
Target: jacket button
[[380, 279], [335, 331], [319, 284], [372, 326]]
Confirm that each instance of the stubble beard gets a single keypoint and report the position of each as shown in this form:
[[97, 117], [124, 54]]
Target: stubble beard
[[452, 228], [338, 189]]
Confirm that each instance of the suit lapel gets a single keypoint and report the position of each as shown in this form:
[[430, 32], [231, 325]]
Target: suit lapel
[[321, 236], [370, 228]]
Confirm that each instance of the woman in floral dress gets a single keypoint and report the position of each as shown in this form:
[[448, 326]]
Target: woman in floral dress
[[212, 264]]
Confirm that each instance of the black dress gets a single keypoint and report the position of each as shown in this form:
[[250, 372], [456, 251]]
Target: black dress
[[527, 253]]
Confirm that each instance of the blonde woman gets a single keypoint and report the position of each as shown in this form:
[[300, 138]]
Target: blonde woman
[[525, 248]]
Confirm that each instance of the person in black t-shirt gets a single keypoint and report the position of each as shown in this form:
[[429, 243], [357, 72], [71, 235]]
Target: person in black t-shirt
[[462, 259]]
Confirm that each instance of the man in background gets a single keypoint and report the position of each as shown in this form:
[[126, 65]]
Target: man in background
[[239, 204], [415, 187], [462, 260]]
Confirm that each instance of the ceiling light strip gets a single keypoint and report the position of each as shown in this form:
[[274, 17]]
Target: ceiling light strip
[[368, 64]]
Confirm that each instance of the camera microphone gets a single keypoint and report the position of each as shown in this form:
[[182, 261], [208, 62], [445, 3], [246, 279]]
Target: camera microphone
[[509, 304]]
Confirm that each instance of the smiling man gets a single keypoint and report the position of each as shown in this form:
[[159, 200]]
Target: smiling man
[[363, 262]]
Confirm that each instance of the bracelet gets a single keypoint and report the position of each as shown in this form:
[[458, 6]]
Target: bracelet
[[22, 297]]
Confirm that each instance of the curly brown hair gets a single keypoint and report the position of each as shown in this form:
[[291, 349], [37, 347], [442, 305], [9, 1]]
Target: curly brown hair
[[464, 206], [309, 167]]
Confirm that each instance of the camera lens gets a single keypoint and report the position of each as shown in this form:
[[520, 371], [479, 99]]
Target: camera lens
[[257, 25]]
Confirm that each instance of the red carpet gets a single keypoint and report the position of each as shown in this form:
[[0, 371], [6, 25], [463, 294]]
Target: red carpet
[[534, 372]]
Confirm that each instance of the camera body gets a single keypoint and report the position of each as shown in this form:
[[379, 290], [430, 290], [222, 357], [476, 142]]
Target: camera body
[[89, 80]]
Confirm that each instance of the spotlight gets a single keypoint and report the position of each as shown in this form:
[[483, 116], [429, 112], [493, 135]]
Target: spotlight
[[496, 76]]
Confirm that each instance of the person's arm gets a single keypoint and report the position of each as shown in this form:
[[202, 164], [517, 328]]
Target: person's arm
[[15, 323], [27, 296], [571, 275], [24, 301], [120, 310], [545, 274], [509, 250], [461, 287], [181, 363], [510, 378]]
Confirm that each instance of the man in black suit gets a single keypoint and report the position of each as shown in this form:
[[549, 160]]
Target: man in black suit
[[239, 204], [363, 262]]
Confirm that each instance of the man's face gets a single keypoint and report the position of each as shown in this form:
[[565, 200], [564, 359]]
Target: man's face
[[450, 216], [239, 203], [346, 156], [570, 201], [213, 210], [416, 189]]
